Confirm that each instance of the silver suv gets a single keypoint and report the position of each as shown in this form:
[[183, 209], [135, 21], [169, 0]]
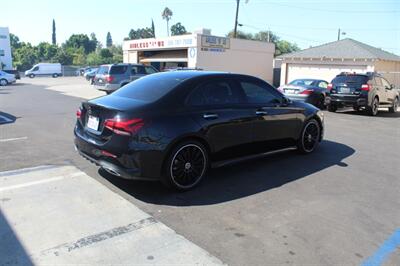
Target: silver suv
[[110, 78]]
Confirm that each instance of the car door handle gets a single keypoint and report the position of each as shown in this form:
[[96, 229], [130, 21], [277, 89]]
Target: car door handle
[[261, 112], [210, 116]]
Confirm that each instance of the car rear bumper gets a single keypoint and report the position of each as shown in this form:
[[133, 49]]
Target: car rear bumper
[[295, 97], [112, 164], [108, 87], [346, 100]]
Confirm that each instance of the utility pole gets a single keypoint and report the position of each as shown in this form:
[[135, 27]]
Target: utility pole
[[338, 35], [236, 19]]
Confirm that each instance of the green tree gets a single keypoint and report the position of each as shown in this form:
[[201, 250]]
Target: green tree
[[46, 51], [53, 35], [140, 34], [109, 41], [153, 29], [167, 14], [178, 29], [241, 35], [285, 47], [25, 57], [14, 41], [77, 41], [63, 57]]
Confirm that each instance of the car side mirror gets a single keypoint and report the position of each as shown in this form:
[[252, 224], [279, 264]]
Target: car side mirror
[[391, 87], [285, 101]]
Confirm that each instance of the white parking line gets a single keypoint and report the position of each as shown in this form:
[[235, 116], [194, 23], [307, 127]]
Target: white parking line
[[13, 139], [33, 183]]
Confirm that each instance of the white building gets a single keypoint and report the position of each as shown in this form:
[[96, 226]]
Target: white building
[[347, 55], [5, 49], [204, 51]]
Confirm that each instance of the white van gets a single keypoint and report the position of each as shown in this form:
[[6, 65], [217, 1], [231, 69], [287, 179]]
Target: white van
[[44, 69]]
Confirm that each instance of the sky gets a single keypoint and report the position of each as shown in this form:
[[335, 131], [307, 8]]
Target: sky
[[304, 22]]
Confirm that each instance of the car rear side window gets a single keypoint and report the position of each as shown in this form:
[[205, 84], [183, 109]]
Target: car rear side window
[[150, 70], [149, 88], [385, 83], [215, 93], [257, 92], [118, 70]]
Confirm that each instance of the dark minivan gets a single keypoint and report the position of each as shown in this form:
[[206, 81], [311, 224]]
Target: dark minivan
[[110, 78]]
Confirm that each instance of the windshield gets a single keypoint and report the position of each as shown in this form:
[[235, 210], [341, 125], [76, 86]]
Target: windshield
[[149, 88], [302, 82]]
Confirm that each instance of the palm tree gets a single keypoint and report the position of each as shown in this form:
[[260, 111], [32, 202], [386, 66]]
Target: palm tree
[[167, 14]]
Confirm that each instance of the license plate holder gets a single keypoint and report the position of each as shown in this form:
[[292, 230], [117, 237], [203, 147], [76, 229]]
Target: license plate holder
[[93, 123]]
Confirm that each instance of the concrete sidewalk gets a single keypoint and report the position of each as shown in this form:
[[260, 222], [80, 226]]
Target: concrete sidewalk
[[58, 215]]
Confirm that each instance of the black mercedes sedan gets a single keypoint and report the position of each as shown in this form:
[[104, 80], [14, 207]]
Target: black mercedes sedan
[[174, 126]]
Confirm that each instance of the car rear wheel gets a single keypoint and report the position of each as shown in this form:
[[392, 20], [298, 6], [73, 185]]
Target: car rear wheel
[[373, 109], [332, 108], [186, 165], [32, 76], [55, 75], [310, 136], [3, 82], [393, 109]]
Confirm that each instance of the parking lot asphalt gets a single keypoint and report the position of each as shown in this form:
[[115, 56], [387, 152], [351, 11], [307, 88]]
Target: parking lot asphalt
[[336, 206]]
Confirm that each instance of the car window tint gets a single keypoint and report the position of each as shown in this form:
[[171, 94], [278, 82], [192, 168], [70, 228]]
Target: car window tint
[[259, 92], [150, 70], [35, 68], [138, 70], [323, 85], [149, 88], [215, 93], [118, 70], [378, 81], [350, 79], [385, 83], [302, 82]]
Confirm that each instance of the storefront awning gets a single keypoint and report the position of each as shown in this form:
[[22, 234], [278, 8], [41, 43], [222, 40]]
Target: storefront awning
[[166, 56]]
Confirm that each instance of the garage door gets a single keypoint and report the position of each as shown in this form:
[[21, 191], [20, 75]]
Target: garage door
[[325, 72]]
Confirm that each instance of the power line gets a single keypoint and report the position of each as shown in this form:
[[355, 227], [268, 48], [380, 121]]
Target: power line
[[337, 11]]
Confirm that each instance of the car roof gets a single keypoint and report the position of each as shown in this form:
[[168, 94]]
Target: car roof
[[186, 74]]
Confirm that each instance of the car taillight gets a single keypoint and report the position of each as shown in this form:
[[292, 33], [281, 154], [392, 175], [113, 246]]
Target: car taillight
[[330, 86], [109, 78], [124, 127], [78, 113], [366, 87], [306, 92]]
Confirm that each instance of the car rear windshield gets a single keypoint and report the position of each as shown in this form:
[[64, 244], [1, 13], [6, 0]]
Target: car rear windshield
[[347, 79], [302, 82], [116, 70], [149, 88]]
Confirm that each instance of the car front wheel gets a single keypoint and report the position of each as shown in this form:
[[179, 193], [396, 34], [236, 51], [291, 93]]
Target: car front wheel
[[393, 109], [186, 165], [310, 137], [3, 82]]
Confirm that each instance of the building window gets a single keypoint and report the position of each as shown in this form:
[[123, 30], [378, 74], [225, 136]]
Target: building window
[[1, 52], [3, 36]]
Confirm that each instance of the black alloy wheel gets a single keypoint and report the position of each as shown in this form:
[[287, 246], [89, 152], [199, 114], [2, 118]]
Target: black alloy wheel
[[186, 166], [310, 135]]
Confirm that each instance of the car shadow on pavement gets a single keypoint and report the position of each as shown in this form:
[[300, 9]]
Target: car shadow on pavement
[[242, 179], [12, 251], [6, 118]]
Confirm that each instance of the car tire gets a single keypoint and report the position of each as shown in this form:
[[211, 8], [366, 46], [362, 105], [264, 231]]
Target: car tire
[[332, 108], [3, 82], [393, 109], [356, 108], [185, 166], [373, 109], [31, 76], [55, 75], [310, 137], [321, 102]]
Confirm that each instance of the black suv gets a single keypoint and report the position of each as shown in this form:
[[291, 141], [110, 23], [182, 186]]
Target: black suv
[[368, 92]]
